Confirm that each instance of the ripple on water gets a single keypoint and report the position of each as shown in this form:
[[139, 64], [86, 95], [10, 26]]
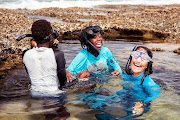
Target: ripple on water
[[166, 72]]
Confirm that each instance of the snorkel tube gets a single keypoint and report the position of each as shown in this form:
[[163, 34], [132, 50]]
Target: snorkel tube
[[47, 38], [23, 36], [92, 48], [127, 68]]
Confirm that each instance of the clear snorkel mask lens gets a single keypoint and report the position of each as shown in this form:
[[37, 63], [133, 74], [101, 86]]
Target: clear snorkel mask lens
[[144, 56], [93, 31]]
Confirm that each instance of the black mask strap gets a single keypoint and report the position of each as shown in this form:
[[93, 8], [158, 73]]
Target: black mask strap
[[135, 48], [48, 38]]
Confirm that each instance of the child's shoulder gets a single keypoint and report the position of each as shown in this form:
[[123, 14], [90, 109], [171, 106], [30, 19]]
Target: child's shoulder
[[148, 81]]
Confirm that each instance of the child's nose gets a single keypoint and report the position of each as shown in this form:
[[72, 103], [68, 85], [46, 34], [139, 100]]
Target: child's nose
[[139, 59], [99, 38]]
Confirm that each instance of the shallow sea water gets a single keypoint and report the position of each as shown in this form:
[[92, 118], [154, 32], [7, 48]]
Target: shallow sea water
[[16, 103]]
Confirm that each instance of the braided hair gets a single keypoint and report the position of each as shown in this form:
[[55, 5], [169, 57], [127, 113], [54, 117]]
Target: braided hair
[[148, 70]]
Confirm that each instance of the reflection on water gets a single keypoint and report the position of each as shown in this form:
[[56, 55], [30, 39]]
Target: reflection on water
[[15, 102]]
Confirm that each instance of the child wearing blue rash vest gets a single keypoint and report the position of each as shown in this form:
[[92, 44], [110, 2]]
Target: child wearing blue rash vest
[[137, 82], [94, 59]]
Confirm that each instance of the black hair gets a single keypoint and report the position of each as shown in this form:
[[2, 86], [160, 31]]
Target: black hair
[[40, 30], [148, 70]]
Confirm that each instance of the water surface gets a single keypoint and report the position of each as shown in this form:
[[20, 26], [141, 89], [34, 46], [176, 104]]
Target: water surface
[[16, 103]]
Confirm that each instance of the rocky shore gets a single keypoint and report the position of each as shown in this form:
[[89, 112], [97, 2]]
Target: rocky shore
[[118, 21]]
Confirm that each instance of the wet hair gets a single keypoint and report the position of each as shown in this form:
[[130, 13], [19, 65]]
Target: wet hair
[[40, 30], [148, 70]]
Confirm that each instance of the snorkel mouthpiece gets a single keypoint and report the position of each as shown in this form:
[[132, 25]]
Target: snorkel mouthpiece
[[55, 34]]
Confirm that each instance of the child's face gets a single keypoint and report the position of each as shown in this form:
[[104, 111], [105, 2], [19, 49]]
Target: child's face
[[138, 64], [97, 41]]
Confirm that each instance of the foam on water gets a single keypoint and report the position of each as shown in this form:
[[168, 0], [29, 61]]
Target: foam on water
[[37, 4]]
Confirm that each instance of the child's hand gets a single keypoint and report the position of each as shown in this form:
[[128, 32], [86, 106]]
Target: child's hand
[[138, 109], [116, 73], [83, 75], [69, 76], [33, 44]]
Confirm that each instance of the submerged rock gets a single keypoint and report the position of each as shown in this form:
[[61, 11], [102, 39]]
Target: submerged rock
[[177, 51], [157, 49]]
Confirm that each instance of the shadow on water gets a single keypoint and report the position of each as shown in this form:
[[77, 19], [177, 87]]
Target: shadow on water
[[16, 103], [16, 84]]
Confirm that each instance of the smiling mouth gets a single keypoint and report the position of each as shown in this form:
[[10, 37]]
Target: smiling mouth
[[99, 44], [137, 65]]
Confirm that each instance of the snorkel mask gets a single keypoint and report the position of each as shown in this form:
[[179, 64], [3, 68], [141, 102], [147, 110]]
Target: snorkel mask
[[92, 31], [145, 57], [47, 38], [139, 54], [87, 34]]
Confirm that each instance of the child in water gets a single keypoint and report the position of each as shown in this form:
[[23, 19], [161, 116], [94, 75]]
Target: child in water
[[94, 59], [137, 81], [139, 66], [45, 66], [137, 93]]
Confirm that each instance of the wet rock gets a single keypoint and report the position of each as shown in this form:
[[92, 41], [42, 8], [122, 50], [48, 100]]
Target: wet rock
[[3, 57], [157, 49], [177, 51], [117, 21]]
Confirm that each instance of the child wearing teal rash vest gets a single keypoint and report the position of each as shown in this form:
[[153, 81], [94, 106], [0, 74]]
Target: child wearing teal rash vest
[[137, 83], [139, 66], [94, 59], [95, 65], [137, 93], [144, 93]]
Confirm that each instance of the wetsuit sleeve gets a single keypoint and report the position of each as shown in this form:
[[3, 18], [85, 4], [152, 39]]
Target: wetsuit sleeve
[[23, 56], [24, 52], [153, 93], [112, 62], [78, 64], [60, 60], [151, 88]]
